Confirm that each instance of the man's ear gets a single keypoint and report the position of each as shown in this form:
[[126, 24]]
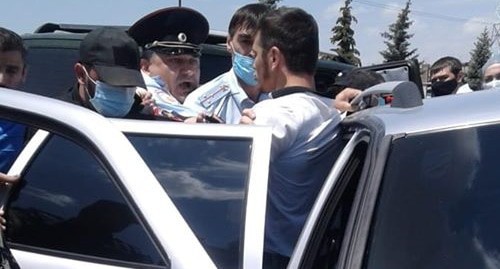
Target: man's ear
[[25, 72], [460, 76], [81, 75], [229, 46], [145, 66], [275, 57]]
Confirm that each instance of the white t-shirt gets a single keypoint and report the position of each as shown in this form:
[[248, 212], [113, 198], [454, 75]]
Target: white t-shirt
[[304, 127]]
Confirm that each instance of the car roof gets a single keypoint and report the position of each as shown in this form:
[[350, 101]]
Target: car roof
[[437, 113]]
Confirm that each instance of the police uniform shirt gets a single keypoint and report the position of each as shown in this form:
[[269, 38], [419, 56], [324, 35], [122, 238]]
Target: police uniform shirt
[[221, 96], [304, 128]]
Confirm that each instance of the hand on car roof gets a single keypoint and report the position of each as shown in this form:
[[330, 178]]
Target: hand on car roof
[[343, 99]]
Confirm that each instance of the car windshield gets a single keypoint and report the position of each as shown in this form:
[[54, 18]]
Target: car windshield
[[439, 202], [206, 178]]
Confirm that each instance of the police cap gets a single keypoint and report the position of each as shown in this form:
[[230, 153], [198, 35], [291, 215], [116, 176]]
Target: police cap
[[172, 30]]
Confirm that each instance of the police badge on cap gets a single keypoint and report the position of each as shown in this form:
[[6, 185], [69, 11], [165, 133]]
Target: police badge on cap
[[173, 30]]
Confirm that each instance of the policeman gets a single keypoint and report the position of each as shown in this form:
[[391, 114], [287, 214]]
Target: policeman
[[227, 95], [170, 63]]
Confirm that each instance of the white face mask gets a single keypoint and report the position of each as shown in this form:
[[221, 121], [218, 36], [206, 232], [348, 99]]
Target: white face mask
[[492, 84]]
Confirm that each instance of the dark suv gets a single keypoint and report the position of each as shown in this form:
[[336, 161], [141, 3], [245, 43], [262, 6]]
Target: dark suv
[[53, 51]]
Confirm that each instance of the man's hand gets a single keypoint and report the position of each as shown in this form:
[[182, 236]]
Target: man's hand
[[343, 99], [147, 100], [247, 116], [6, 180], [204, 118]]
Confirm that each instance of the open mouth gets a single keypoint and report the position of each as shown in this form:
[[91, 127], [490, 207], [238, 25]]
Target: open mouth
[[187, 85]]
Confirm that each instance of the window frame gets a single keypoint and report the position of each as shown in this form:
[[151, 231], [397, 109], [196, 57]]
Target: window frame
[[256, 192], [302, 256], [355, 237]]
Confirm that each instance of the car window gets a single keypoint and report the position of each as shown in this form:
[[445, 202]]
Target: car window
[[439, 201], [206, 178], [213, 64], [68, 202], [50, 71], [329, 235]]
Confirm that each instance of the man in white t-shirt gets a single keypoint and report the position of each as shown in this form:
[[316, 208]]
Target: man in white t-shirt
[[304, 125]]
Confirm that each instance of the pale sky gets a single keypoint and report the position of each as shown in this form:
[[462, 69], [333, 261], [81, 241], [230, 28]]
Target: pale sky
[[440, 28]]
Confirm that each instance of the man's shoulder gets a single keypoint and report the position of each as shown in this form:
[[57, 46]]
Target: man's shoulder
[[464, 89], [297, 103]]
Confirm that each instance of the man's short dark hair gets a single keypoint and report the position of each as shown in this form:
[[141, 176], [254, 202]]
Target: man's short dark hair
[[247, 17], [10, 41], [453, 63], [295, 33]]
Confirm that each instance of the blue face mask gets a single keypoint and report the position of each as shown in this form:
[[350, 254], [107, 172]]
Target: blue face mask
[[243, 68], [159, 81], [112, 101]]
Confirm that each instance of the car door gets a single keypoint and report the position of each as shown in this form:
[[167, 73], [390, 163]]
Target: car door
[[405, 70], [325, 241], [86, 198], [216, 175]]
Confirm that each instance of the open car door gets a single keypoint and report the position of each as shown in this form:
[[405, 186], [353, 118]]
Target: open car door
[[405, 70]]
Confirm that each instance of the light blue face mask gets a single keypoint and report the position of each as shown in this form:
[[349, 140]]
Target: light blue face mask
[[243, 68], [158, 80], [112, 101]]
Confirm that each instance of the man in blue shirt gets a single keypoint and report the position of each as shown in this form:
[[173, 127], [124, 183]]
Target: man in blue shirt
[[227, 95], [12, 75]]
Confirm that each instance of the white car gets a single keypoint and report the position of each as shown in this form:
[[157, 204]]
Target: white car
[[414, 185], [114, 193]]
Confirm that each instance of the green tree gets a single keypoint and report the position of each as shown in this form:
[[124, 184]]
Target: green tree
[[478, 57], [272, 3], [397, 38], [343, 36]]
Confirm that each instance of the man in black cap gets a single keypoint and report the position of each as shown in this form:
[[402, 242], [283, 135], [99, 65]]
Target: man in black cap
[[108, 74], [171, 39]]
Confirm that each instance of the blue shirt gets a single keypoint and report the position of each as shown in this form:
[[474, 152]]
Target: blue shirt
[[223, 97], [11, 143]]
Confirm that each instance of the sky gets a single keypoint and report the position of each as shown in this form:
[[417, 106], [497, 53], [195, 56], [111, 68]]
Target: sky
[[440, 27]]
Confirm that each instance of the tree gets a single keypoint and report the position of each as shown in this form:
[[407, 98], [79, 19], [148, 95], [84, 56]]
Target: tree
[[343, 35], [271, 3], [397, 38], [478, 57]]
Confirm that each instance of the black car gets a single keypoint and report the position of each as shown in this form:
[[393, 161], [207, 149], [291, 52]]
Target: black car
[[53, 51]]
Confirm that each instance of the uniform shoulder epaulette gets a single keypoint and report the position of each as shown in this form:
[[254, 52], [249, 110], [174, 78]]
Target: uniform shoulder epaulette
[[213, 95]]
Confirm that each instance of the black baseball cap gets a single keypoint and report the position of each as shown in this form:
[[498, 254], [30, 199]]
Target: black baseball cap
[[114, 55], [172, 30]]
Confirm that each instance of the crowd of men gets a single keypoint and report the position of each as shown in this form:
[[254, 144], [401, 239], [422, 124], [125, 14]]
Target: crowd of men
[[447, 76], [153, 72]]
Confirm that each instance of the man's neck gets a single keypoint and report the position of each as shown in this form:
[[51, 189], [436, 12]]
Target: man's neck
[[251, 91], [299, 80]]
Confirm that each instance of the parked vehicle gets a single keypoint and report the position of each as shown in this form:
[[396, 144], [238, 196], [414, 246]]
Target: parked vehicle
[[414, 186], [53, 51], [134, 194]]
